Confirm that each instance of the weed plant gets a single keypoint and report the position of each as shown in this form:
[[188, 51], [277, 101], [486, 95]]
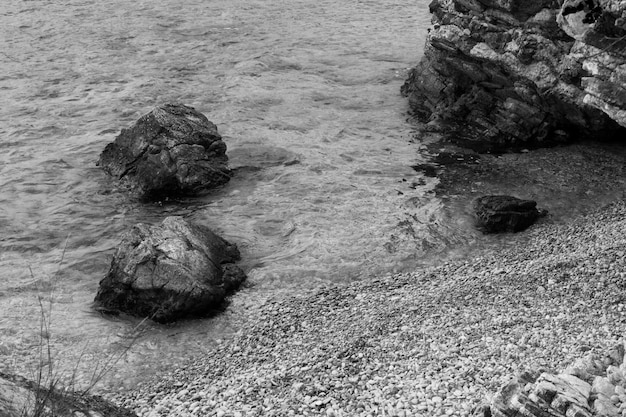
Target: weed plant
[[54, 391]]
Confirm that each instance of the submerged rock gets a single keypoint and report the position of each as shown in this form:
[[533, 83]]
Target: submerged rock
[[170, 151], [501, 75], [503, 213], [173, 270], [21, 397]]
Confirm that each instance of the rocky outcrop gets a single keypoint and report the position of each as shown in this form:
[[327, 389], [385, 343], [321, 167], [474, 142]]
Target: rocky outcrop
[[166, 272], [503, 213], [599, 28], [170, 151], [21, 397], [499, 75], [595, 385]]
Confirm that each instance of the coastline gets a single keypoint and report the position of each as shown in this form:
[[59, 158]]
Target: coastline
[[436, 341], [312, 109]]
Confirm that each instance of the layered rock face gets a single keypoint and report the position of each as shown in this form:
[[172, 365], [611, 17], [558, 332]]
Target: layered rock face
[[592, 386], [507, 74]]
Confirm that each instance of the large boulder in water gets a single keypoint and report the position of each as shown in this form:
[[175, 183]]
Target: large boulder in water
[[503, 213], [170, 151], [170, 271]]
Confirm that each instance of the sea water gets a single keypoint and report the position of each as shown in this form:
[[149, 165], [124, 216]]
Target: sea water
[[306, 96]]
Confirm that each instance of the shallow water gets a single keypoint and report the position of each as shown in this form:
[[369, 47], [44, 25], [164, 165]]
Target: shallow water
[[306, 91], [306, 96]]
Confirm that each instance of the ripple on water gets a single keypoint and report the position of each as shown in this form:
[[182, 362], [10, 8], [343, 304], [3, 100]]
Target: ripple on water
[[306, 96]]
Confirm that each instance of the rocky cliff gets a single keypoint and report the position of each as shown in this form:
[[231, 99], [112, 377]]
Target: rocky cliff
[[507, 74]]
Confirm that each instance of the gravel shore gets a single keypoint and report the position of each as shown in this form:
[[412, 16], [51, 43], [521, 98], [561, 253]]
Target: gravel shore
[[434, 342]]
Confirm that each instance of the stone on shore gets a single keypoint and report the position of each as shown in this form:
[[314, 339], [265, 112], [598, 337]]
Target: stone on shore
[[502, 213], [21, 397], [500, 75], [170, 271], [173, 150], [436, 341]]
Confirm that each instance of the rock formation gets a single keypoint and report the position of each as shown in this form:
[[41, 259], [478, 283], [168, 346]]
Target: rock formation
[[499, 75], [21, 397], [503, 213], [592, 386], [170, 151], [166, 272]]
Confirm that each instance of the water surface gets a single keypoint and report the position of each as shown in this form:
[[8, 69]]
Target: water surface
[[306, 95]]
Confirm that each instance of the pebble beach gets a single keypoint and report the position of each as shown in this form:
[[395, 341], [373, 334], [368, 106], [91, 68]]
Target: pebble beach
[[434, 342]]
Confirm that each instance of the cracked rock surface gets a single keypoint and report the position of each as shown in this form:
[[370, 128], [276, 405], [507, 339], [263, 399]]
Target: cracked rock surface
[[592, 385], [173, 150], [170, 271], [501, 75]]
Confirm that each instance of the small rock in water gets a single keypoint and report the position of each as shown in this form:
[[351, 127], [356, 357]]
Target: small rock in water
[[502, 213]]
